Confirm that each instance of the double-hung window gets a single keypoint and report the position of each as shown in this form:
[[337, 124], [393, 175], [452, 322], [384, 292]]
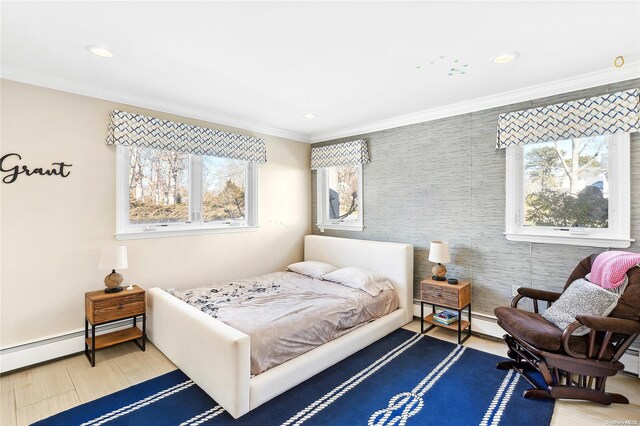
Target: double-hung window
[[339, 184], [568, 171], [178, 179]]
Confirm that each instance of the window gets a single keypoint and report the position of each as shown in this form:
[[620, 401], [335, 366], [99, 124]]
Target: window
[[573, 191], [164, 192], [340, 197]]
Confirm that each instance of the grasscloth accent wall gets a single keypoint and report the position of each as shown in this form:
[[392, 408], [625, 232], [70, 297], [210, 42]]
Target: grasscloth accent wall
[[444, 180]]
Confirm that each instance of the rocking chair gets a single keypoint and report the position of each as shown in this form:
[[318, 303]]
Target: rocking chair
[[573, 367]]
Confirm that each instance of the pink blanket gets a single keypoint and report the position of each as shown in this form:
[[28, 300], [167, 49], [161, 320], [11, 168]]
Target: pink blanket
[[610, 268]]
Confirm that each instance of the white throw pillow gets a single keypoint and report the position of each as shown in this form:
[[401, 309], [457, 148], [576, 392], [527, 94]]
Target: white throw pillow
[[311, 268], [359, 278], [580, 298]]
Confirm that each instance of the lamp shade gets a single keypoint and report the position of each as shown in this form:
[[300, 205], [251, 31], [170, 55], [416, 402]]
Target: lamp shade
[[439, 252], [113, 258]]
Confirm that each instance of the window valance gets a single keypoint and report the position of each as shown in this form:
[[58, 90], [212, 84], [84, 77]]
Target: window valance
[[601, 115], [130, 129], [354, 152]]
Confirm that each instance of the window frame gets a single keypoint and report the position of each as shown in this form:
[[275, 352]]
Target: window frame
[[617, 235], [323, 221], [127, 231]]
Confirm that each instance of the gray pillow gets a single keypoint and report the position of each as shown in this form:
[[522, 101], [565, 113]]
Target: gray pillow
[[580, 298]]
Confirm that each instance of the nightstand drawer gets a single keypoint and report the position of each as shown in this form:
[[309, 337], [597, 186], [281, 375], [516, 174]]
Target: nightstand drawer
[[440, 295], [118, 301], [122, 310]]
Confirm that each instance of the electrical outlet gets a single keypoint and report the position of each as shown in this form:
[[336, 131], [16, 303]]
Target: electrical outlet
[[514, 290]]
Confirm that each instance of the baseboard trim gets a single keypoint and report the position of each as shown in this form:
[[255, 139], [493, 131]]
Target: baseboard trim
[[35, 352], [486, 325]]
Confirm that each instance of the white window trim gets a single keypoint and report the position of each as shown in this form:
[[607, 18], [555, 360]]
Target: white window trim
[[323, 207], [127, 231], [618, 235]]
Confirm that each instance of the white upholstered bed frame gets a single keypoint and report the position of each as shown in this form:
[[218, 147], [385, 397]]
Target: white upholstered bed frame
[[216, 356]]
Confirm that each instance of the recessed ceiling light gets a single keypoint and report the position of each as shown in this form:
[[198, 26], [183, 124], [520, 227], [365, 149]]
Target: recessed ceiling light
[[505, 57], [309, 115], [103, 52]]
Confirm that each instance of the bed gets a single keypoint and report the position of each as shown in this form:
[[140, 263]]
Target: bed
[[217, 357]]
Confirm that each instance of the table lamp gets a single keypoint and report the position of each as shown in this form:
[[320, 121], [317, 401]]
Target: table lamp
[[113, 258], [439, 253]]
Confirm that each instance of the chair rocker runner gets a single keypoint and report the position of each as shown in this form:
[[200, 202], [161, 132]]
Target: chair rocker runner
[[573, 367]]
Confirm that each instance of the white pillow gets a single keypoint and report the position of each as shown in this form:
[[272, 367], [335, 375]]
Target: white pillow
[[580, 298], [311, 269], [359, 278]]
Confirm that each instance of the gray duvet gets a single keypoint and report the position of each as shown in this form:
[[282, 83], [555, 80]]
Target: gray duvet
[[287, 314]]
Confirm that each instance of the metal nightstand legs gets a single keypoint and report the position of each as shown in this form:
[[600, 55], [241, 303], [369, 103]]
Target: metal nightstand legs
[[466, 329]]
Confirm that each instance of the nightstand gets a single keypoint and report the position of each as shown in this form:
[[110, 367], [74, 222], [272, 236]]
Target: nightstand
[[103, 308], [456, 297]]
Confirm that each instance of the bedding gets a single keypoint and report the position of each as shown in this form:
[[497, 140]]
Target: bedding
[[287, 314]]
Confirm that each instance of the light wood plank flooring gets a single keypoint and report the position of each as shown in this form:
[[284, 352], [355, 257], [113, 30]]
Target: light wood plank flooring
[[38, 392]]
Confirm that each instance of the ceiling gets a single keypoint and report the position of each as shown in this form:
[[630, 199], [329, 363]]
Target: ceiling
[[358, 66]]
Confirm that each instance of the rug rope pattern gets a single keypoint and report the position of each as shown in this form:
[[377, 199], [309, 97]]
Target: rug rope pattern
[[203, 417], [138, 404], [330, 397], [496, 410], [411, 402]]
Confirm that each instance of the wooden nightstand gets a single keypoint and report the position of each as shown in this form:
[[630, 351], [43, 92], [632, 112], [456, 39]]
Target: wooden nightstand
[[103, 308], [455, 297]]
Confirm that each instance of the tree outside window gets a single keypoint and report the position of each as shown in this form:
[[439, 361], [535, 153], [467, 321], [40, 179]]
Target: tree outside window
[[566, 183]]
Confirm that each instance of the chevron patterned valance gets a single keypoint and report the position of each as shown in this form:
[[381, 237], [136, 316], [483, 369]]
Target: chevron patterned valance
[[601, 115], [126, 128], [354, 152]]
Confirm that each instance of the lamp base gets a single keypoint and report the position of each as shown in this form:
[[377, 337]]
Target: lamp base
[[113, 290], [435, 278]]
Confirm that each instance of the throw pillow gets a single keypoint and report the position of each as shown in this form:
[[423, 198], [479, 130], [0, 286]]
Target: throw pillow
[[311, 268], [580, 298]]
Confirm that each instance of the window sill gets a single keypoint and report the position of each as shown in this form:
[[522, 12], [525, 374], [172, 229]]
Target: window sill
[[162, 233], [572, 240], [340, 227]]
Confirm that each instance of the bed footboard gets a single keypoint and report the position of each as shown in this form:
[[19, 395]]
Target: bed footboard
[[214, 355]]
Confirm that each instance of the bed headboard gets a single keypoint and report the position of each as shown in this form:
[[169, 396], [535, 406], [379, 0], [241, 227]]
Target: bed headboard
[[393, 260]]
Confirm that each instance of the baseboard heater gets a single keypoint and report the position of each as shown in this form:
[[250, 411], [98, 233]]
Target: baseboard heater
[[38, 351]]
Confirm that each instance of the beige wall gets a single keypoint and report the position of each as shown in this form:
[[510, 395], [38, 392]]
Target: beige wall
[[53, 228]]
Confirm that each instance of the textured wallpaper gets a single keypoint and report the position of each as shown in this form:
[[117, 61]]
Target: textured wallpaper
[[444, 180]]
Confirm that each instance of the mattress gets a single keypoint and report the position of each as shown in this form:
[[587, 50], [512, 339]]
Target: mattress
[[287, 314]]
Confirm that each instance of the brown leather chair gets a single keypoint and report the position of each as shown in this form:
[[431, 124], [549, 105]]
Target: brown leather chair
[[573, 367]]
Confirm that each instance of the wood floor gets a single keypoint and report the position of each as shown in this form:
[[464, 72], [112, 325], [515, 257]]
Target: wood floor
[[38, 392]]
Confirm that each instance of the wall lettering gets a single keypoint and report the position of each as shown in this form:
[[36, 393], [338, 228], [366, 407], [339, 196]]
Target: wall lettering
[[8, 165]]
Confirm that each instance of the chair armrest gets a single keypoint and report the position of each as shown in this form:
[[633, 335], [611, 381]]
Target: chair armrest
[[614, 325], [535, 294]]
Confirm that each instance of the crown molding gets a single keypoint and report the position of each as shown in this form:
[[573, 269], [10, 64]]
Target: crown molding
[[57, 83], [584, 81]]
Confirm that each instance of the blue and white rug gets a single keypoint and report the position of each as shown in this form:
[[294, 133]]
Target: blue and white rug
[[404, 378]]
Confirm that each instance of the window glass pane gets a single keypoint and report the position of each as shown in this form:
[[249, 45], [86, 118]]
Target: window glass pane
[[158, 186], [566, 183], [343, 192], [223, 189]]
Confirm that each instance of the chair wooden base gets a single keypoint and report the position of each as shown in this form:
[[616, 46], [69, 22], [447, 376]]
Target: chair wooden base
[[560, 382]]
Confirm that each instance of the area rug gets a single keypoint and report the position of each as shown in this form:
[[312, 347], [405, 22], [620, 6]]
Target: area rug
[[404, 378]]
